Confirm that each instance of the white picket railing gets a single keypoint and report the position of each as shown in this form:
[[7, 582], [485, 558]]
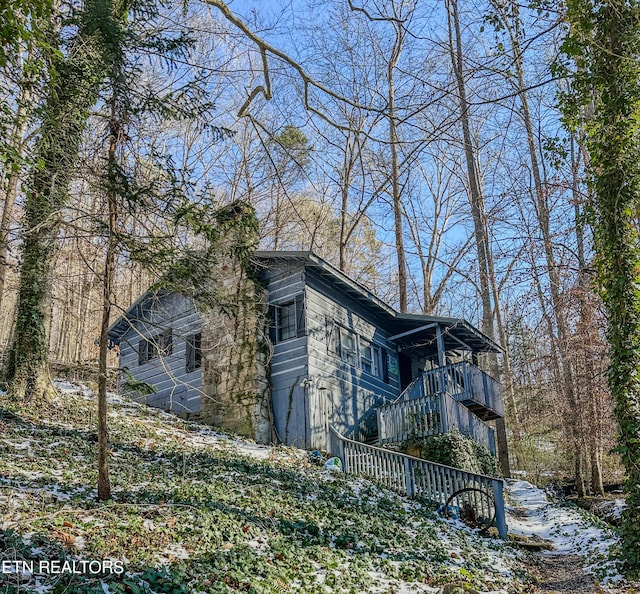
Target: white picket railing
[[419, 417], [415, 477]]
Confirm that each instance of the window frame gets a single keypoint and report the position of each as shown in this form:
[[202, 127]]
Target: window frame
[[299, 326], [160, 345], [334, 336], [193, 352], [374, 361], [349, 355], [292, 328]]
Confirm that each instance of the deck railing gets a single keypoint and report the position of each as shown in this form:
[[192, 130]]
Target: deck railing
[[480, 388], [418, 417], [455, 414], [430, 415], [415, 477], [464, 381]]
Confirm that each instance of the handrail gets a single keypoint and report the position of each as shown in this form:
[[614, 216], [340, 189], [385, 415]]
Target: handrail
[[333, 430], [417, 417], [462, 380], [415, 477], [405, 393], [430, 415]]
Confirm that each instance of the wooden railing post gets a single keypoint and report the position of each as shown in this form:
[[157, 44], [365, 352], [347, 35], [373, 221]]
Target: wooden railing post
[[410, 483], [337, 447], [444, 419], [485, 388], [498, 499]]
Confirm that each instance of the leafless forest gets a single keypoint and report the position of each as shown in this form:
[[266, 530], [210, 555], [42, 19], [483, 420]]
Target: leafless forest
[[416, 146]]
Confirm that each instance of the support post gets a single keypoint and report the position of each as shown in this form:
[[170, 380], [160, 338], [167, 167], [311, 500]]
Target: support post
[[440, 344], [498, 498], [337, 447], [442, 361], [492, 441]]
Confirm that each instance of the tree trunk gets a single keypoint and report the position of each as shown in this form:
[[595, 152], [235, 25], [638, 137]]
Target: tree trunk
[[476, 199], [543, 213], [73, 90], [12, 175], [396, 198], [507, 382], [115, 137], [345, 184]]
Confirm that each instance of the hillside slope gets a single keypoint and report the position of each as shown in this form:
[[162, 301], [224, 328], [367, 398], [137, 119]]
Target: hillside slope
[[196, 511]]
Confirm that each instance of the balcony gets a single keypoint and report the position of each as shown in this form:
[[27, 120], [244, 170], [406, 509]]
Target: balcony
[[464, 382]]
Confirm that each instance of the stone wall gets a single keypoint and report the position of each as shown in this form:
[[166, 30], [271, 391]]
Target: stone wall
[[236, 395], [235, 348]]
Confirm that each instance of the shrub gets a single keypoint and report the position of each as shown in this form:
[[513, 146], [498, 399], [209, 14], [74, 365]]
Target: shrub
[[454, 449]]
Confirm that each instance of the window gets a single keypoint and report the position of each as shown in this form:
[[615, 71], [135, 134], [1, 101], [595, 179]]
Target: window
[[370, 359], [341, 342], [347, 346], [159, 345], [194, 352], [358, 351], [288, 319], [146, 351]]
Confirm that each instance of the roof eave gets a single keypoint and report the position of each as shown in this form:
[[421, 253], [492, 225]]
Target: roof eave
[[322, 265]]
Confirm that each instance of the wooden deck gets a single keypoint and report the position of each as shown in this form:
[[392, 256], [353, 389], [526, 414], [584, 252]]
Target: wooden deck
[[466, 383]]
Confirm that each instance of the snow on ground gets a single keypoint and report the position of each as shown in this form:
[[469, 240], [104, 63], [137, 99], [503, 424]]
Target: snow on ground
[[610, 510], [202, 439], [571, 531], [530, 512]]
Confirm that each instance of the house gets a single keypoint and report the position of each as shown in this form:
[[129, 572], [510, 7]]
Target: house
[[307, 347]]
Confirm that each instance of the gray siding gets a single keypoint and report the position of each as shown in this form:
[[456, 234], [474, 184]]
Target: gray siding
[[342, 394], [289, 363], [312, 387], [177, 390]]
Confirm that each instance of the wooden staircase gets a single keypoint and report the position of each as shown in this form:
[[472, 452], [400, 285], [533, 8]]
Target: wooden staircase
[[430, 415], [437, 401]]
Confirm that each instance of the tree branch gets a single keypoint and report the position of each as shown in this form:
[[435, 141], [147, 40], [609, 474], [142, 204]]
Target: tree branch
[[265, 49]]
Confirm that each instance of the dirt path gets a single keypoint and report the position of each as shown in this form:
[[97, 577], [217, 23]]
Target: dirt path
[[561, 574], [533, 516]]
